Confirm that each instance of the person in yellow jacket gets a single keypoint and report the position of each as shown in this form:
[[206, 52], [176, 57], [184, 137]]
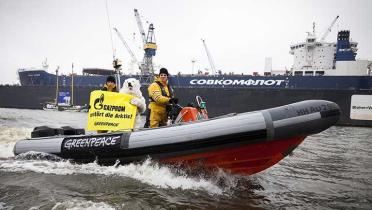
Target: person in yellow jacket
[[160, 95]]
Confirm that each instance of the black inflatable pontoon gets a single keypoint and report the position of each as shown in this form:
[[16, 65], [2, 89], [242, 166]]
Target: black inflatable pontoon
[[243, 143]]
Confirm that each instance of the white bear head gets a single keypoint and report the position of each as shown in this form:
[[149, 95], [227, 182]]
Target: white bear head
[[131, 86]]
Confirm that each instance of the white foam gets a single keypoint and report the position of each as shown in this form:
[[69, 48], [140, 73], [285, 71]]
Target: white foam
[[6, 150], [76, 204], [32, 155], [147, 172], [9, 136], [4, 207]]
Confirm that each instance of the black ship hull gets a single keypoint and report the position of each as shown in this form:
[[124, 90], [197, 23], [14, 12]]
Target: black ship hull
[[220, 101]]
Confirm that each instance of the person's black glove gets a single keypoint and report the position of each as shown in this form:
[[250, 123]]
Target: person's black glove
[[173, 100]]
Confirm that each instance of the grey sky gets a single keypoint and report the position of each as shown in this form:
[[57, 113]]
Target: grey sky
[[239, 33]]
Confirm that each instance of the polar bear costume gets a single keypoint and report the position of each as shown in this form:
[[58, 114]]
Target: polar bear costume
[[132, 87]]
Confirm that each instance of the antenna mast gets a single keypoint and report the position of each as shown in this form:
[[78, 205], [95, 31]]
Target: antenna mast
[[116, 62], [72, 84]]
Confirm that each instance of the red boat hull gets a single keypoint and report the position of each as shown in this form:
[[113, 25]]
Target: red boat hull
[[245, 159]]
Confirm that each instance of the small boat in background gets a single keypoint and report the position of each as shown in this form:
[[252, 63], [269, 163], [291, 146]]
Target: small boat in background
[[64, 101], [68, 108], [244, 143]]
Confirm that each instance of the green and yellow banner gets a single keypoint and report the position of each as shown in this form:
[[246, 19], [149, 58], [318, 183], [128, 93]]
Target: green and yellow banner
[[110, 111]]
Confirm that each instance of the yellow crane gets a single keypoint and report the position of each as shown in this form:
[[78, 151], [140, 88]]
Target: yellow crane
[[149, 46]]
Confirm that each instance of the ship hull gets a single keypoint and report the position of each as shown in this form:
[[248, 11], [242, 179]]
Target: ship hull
[[220, 101]]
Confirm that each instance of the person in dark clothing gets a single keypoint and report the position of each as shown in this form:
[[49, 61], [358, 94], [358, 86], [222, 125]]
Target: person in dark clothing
[[110, 84]]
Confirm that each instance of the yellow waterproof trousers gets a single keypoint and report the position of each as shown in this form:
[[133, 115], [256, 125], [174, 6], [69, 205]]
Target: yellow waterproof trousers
[[158, 118]]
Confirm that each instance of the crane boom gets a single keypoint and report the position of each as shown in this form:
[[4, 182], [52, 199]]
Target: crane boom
[[140, 26], [126, 46], [209, 58], [329, 29]]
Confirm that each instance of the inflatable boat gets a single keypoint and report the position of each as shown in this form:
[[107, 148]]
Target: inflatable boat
[[244, 143]]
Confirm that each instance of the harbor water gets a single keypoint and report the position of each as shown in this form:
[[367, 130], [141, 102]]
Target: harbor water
[[329, 170]]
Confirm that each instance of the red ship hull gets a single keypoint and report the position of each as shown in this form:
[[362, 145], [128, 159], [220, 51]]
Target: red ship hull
[[246, 159]]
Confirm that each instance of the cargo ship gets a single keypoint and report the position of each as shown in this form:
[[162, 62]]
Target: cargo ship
[[321, 70]]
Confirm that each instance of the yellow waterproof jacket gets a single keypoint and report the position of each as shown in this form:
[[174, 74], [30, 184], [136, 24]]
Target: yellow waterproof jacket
[[158, 102]]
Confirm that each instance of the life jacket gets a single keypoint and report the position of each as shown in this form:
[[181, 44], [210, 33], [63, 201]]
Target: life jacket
[[163, 92]]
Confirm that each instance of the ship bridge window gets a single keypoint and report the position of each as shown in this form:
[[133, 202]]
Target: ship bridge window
[[298, 73], [309, 73], [319, 73]]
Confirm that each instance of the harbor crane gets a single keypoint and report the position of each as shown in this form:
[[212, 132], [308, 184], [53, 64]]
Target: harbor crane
[[150, 49], [134, 59], [329, 29], [140, 26], [149, 46], [210, 59]]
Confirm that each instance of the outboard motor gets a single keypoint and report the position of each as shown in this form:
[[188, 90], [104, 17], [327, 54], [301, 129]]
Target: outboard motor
[[202, 107], [191, 113]]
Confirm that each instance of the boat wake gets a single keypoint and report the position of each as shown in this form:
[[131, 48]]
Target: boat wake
[[37, 156], [148, 172], [79, 204]]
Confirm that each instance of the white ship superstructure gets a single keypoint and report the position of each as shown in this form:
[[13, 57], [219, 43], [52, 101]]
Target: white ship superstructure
[[314, 58]]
